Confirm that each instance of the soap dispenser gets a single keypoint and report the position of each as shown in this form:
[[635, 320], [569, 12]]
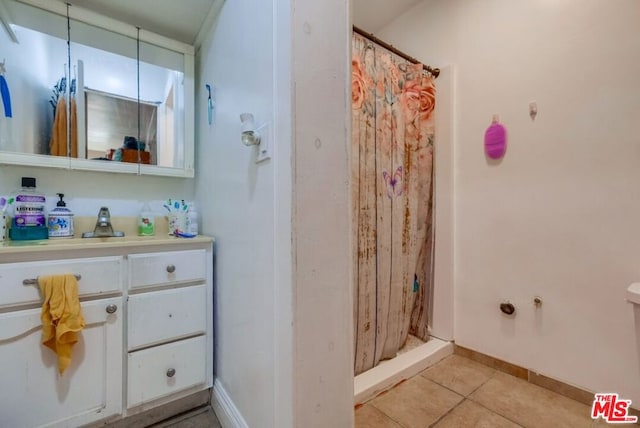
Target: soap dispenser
[[146, 222], [60, 220]]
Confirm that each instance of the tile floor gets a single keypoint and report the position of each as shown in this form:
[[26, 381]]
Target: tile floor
[[458, 393], [199, 418], [455, 393]]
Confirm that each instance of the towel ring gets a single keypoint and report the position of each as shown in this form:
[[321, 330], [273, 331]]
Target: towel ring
[[34, 281]]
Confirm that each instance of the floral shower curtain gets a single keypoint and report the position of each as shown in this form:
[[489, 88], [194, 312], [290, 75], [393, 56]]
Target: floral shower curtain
[[392, 170]]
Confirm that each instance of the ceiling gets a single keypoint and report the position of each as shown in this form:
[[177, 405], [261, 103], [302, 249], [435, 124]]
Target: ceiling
[[176, 19], [373, 15], [182, 19]]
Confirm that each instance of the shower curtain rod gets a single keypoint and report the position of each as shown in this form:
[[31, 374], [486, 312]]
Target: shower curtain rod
[[435, 72]]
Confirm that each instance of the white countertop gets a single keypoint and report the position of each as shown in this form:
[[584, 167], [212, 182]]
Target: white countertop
[[126, 224]]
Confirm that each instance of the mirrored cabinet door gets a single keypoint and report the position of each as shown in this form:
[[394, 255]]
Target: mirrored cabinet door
[[103, 99], [34, 91], [162, 91], [106, 101]]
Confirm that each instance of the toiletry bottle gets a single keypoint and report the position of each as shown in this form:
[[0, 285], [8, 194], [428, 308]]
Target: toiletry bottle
[[192, 220], [146, 224], [60, 220], [29, 216], [29, 208]]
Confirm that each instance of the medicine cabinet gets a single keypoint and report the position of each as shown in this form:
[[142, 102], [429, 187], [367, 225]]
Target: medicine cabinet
[[127, 94]]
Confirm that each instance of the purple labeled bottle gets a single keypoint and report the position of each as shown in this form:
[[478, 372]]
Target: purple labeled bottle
[[29, 208]]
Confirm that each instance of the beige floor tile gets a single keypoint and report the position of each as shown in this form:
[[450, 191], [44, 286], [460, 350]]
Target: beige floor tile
[[530, 405], [417, 402], [459, 374], [601, 423], [469, 414], [368, 416], [204, 419]]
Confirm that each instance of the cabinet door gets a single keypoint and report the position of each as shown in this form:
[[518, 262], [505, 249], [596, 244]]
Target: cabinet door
[[34, 394]]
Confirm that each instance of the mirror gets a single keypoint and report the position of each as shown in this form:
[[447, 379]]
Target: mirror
[[80, 105], [112, 128]]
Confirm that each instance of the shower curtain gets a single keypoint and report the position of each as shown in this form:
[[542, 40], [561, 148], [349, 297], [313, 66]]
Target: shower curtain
[[392, 171]]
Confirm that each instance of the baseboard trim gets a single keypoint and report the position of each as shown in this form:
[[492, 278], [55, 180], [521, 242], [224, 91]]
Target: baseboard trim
[[494, 363], [158, 414], [576, 393], [224, 408]]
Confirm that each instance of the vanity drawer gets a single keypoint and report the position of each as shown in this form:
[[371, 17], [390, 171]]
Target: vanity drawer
[[97, 276], [167, 315], [165, 268], [163, 370]]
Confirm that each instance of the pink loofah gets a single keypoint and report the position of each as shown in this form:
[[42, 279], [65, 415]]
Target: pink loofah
[[495, 140]]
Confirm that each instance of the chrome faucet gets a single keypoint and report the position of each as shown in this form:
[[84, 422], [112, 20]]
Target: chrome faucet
[[103, 226]]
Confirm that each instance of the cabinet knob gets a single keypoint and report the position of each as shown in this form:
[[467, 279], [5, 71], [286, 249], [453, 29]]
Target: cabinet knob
[[111, 309], [171, 268], [171, 372]]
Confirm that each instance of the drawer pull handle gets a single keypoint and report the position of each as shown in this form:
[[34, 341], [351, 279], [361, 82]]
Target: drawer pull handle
[[34, 281], [111, 309], [171, 268], [171, 372]]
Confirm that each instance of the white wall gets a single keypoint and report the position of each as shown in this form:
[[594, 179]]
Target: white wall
[[283, 352], [558, 216], [323, 295], [240, 206], [85, 192]]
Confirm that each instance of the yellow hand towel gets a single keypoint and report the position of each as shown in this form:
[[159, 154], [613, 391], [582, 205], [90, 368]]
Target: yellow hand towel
[[61, 316], [58, 143]]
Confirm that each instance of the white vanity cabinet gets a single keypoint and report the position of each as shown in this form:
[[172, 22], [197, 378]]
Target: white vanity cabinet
[[167, 311], [33, 393], [147, 340]]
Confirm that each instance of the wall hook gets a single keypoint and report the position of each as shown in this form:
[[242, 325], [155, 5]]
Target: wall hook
[[533, 110]]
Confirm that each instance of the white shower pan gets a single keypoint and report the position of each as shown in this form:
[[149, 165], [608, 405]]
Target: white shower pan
[[388, 373]]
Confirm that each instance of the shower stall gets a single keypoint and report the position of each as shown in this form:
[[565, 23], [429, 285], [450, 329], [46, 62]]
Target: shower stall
[[392, 176]]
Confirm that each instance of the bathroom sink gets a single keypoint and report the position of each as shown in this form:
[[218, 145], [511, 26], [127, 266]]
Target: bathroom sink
[[103, 228]]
